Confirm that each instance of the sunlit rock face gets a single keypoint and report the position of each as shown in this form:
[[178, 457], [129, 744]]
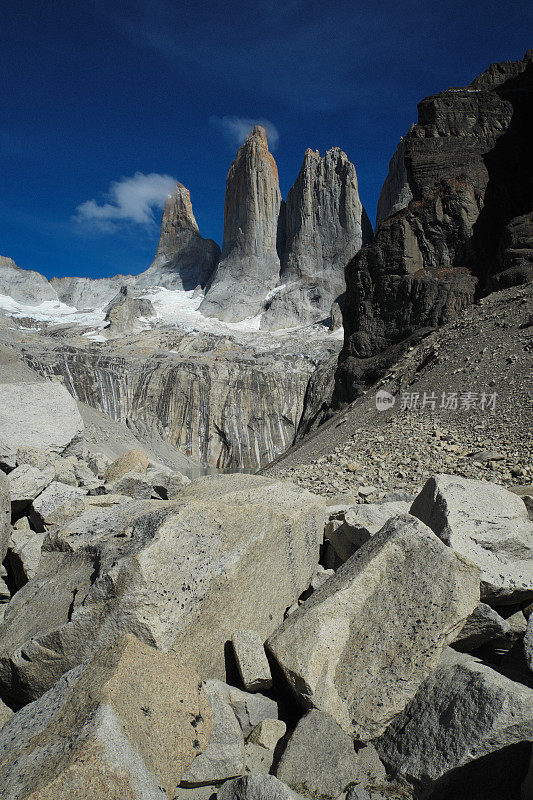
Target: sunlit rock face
[[218, 401], [324, 225], [468, 227], [184, 259], [23, 285], [250, 263]]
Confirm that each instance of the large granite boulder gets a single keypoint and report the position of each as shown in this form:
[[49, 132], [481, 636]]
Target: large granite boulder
[[463, 711], [483, 625], [450, 216], [320, 760], [250, 264], [232, 553], [125, 724], [487, 524], [364, 641], [42, 415], [325, 226], [5, 514], [184, 259]]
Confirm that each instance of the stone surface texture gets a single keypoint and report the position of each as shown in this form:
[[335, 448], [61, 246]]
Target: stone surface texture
[[325, 226], [252, 662], [463, 711], [362, 644], [250, 264], [125, 724], [42, 415], [466, 161], [487, 524], [181, 575], [184, 259]]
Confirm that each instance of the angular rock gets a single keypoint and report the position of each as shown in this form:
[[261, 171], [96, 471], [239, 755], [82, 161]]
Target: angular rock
[[24, 555], [250, 264], [223, 757], [250, 709], [132, 461], [42, 415], [184, 259], [25, 483], [319, 759], [125, 724], [5, 514], [175, 485], [528, 643], [325, 227], [487, 524], [256, 787], [52, 498], [127, 312], [132, 484], [482, 626], [462, 712], [181, 575], [252, 662], [362, 644], [5, 714], [363, 521], [268, 733]]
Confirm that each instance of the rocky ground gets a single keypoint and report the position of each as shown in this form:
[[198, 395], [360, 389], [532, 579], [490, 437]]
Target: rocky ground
[[487, 350], [236, 637]]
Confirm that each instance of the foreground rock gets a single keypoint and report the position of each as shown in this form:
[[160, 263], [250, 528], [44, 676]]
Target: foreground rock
[[126, 724], [252, 662], [482, 626], [256, 787], [5, 515], [42, 415], [464, 711], [360, 646], [320, 760], [487, 524], [232, 553]]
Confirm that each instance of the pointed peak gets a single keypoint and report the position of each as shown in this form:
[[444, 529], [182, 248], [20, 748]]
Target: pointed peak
[[337, 152], [178, 209], [258, 132]]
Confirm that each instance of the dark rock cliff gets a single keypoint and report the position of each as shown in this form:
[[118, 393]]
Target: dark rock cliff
[[466, 226]]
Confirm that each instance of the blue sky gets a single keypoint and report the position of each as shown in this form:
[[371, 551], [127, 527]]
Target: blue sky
[[104, 104]]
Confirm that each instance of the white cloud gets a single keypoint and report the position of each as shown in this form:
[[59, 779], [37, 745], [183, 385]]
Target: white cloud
[[236, 129], [130, 200]]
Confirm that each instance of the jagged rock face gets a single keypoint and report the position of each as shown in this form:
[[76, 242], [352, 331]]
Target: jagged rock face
[[85, 293], [125, 312], [184, 259], [23, 285], [395, 193], [220, 403], [325, 226], [469, 164], [250, 263]]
